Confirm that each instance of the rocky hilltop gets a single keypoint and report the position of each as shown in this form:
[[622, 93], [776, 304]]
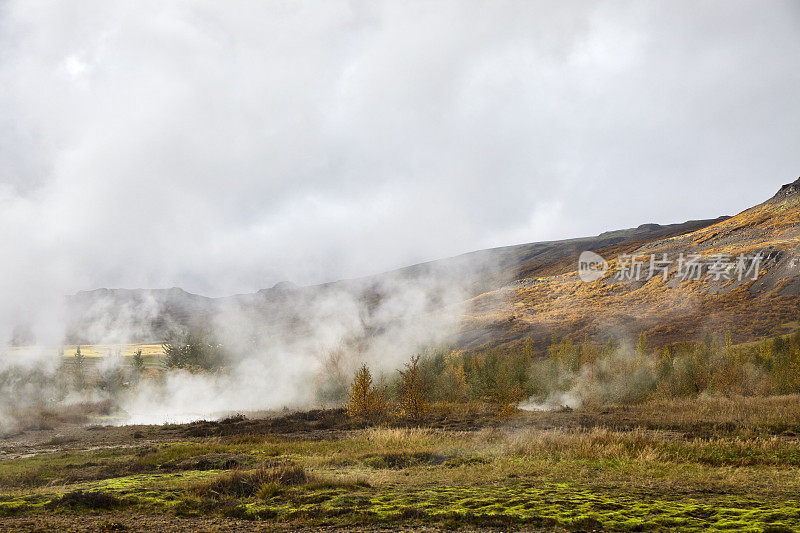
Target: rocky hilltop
[[790, 189]]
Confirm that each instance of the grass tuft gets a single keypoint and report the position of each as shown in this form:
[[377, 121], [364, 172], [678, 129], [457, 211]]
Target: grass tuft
[[88, 500], [268, 478]]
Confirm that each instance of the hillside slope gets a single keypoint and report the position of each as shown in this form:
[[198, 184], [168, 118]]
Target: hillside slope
[[505, 295], [677, 309], [147, 315]]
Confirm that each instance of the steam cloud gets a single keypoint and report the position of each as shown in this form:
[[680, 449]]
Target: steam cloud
[[224, 149]]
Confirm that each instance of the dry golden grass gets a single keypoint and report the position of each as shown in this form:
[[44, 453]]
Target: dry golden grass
[[637, 445], [247, 483], [401, 437], [95, 350], [618, 469], [751, 411]]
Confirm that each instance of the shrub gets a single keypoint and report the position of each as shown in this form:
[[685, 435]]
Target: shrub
[[786, 365], [365, 399], [137, 363], [443, 372], [193, 350], [91, 500], [641, 346], [506, 388], [332, 385], [235, 484], [453, 384], [413, 390], [266, 479], [609, 372], [80, 369]]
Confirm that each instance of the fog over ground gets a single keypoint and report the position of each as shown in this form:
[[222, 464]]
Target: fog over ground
[[224, 146]]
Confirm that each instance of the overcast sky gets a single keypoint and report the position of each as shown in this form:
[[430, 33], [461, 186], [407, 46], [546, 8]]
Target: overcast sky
[[225, 146]]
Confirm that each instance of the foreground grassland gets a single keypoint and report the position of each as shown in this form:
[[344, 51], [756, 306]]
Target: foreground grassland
[[705, 464]]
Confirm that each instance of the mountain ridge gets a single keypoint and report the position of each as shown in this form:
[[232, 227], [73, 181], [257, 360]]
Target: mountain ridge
[[94, 310], [512, 293]]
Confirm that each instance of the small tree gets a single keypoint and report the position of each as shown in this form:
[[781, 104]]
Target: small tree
[[527, 348], [786, 368], [80, 370], [451, 383], [641, 346], [333, 384], [365, 399], [506, 391], [193, 351], [137, 362], [413, 390]]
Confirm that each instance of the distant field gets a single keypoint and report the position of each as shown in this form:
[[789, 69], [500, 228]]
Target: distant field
[[102, 350]]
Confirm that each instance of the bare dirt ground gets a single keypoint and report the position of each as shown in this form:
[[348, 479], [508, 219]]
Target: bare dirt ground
[[706, 420], [168, 524]]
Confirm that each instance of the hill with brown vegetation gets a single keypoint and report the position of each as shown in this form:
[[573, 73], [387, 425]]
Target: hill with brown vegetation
[[553, 301], [525, 291]]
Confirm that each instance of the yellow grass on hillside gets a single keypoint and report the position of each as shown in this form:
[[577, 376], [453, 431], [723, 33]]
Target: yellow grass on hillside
[[553, 301]]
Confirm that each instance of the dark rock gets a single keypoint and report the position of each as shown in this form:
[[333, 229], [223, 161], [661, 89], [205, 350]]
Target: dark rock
[[650, 227], [790, 189]]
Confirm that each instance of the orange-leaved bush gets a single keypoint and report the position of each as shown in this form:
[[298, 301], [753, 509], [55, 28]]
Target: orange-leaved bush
[[365, 399]]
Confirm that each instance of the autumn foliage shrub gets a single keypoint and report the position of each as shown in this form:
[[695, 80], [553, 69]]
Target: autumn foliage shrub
[[413, 390], [574, 373], [365, 399]]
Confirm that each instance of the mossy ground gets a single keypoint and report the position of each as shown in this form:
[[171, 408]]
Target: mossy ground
[[507, 477]]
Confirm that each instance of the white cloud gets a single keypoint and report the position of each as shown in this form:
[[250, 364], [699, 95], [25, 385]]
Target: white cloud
[[224, 148]]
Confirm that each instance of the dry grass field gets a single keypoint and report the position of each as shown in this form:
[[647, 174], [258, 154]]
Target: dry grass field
[[95, 350], [724, 464]]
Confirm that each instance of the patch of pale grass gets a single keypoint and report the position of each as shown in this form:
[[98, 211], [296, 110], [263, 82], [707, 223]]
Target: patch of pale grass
[[331, 479], [742, 411], [395, 438], [636, 445], [586, 444]]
